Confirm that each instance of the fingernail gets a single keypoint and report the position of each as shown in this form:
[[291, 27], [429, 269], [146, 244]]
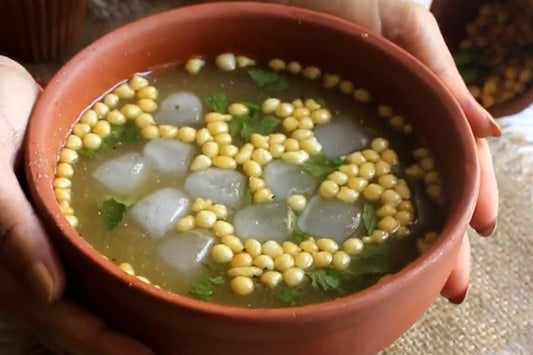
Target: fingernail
[[495, 129], [459, 299], [487, 230], [40, 282]]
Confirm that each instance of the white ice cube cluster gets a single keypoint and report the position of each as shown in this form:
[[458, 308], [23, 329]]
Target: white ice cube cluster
[[125, 174], [180, 109], [341, 136], [186, 251]]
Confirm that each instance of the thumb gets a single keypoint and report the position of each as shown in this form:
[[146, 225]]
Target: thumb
[[24, 246]]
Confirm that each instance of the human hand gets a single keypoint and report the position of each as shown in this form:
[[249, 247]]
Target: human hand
[[31, 276], [414, 28]]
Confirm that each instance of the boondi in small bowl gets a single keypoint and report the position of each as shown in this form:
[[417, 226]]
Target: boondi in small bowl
[[216, 193]]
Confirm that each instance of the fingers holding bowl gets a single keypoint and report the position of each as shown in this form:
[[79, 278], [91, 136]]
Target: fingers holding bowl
[[63, 327], [456, 286], [486, 212], [24, 245]]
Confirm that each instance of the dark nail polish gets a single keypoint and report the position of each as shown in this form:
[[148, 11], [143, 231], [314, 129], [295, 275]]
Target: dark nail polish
[[459, 299], [487, 230], [495, 129]]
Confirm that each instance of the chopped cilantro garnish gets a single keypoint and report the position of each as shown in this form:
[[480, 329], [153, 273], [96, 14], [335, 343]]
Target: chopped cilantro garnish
[[322, 103], [127, 133], [399, 169], [218, 102], [245, 126], [246, 199], [370, 219], [202, 288], [374, 260], [319, 166], [239, 126], [268, 79], [374, 250], [267, 125], [288, 295], [88, 153], [325, 280], [112, 211], [253, 108], [299, 235]]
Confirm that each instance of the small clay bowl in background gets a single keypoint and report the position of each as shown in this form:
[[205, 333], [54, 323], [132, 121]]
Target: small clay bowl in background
[[40, 30], [452, 17], [360, 323]]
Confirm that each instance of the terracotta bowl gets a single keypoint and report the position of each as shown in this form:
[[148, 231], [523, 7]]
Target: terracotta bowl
[[452, 17], [361, 323]]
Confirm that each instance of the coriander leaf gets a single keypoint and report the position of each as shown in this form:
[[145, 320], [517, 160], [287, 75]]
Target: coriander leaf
[[268, 79], [218, 102], [202, 288], [319, 166], [130, 134], [370, 219], [399, 169], [88, 153], [246, 199], [112, 211], [300, 235], [122, 134], [322, 103], [326, 280], [246, 131], [267, 125], [288, 295], [237, 125], [209, 266], [375, 250], [253, 108], [374, 267]]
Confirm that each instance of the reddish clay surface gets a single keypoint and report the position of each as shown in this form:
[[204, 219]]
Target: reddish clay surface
[[357, 324], [453, 16]]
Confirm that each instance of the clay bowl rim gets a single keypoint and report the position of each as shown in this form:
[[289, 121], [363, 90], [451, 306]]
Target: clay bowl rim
[[454, 228], [506, 108]]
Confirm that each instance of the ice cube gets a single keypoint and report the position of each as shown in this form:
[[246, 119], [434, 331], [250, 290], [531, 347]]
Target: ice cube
[[330, 218], [341, 136], [169, 155], [185, 252], [158, 212], [269, 221], [180, 109], [219, 185], [285, 179], [124, 174]]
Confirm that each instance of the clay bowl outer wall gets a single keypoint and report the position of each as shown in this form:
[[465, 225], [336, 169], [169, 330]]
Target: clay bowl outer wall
[[452, 17], [171, 324]]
